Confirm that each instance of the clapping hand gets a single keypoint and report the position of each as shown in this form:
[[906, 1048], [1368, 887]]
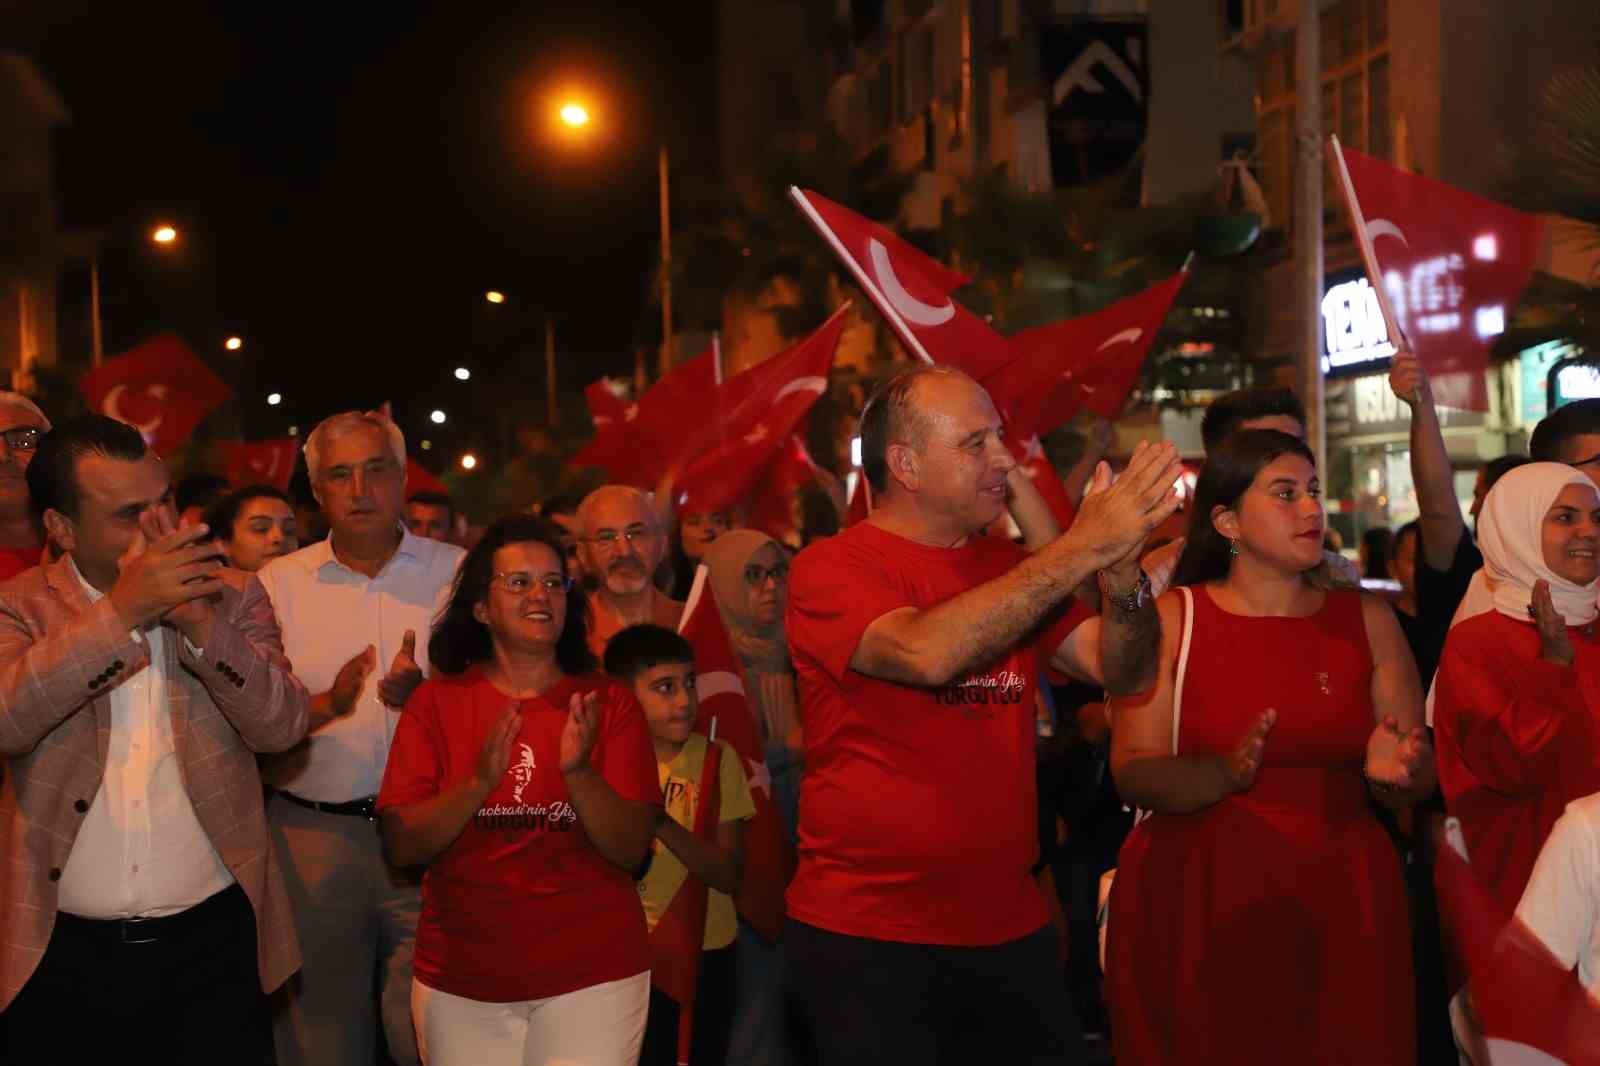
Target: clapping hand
[[494, 758], [1555, 644], [158, 576], [1241, 765], [580, 732], [1398, 761], [1116, 517], [404, 674]]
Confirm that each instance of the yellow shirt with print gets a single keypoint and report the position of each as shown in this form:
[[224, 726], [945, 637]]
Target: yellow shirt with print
[[680, 788]]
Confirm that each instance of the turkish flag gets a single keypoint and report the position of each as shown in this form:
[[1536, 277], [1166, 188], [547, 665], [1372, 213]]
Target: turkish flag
[[160, 388], [1041, 471], [1090, 362], [769, 858], [752, 415], [420, 479], [771, 500], [262, 462], [637, 450], [1453, 267], [679, 936], [1530, 1009], [605, 408], [911, 289]]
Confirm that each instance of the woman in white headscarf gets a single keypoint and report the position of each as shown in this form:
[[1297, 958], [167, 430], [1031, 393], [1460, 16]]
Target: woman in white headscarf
[[1517, 709]]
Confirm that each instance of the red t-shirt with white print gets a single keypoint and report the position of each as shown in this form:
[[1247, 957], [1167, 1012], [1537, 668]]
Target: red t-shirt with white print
[[521, 906], [917, 809]]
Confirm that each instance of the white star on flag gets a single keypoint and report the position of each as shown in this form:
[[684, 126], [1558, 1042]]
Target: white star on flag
[[757, 435], [759, 777]]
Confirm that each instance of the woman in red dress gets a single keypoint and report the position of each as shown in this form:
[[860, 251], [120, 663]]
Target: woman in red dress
[[1517, 704], [1258, 915]]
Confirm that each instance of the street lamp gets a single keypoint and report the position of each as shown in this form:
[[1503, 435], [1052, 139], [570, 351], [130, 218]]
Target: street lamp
[[163, 235], [463, 374], [233, 344], [274, 399], [469, 461], [576, 116], [495, 297], [437, 417]]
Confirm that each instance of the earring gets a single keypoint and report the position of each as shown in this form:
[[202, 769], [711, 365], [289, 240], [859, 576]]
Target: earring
[[1233, 547]]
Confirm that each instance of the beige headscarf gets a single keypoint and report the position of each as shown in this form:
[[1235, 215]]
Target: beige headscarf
[[768, 674]]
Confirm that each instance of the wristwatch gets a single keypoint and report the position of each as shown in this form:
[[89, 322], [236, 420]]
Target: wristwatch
[[1132, 601]]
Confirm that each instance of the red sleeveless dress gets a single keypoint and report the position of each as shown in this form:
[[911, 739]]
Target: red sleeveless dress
[[1271, 927]]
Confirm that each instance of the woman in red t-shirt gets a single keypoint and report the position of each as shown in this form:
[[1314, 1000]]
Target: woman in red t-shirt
[[527, 785]]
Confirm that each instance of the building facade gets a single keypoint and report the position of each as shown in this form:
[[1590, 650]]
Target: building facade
[[29, 112]]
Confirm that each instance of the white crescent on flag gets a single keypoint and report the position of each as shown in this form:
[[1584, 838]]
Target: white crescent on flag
[[718, 683], [910, 308], [1511, 1053], [807, 384], [1131, 334], [1382, 227], [112, 407]]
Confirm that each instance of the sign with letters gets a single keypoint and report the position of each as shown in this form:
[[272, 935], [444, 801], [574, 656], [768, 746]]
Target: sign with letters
[[1097, 90]]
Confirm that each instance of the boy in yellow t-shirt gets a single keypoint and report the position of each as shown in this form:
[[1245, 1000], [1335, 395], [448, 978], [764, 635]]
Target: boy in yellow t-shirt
[[658, 665]]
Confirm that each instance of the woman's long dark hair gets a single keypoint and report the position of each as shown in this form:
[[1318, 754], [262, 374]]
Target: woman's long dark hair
[[459, 640], [1229, 471]]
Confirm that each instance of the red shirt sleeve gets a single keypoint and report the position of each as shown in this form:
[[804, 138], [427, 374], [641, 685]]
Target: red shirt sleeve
[[416, 768], [623, 754], [833, 598]]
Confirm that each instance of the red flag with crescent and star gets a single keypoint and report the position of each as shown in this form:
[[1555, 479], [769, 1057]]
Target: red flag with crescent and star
[[161, 388], [637, 449], [911, 289], [744, 426], [261, 462], [1453, 266], [769, 858]]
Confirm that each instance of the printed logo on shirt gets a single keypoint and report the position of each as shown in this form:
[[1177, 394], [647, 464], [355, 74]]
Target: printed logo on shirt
[[557, 817], [983, 690], [522, 772]]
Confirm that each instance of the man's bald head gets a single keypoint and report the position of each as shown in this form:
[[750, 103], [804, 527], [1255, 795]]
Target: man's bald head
[[896, 414], [607, 500]]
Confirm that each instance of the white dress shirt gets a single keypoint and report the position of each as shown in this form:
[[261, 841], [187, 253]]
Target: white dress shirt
[[141, 851], [1561, 904], [328, 613]]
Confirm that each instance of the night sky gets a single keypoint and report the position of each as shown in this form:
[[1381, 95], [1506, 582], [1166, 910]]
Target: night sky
[[350, 178]]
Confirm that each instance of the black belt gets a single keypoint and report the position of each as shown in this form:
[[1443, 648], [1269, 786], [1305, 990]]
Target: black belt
[[153, 930], [360, 808]]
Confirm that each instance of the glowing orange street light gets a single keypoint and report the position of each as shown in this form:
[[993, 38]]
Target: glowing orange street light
[[233, 344], [495, 297], [163, 234], [469, 461], [575, 115]]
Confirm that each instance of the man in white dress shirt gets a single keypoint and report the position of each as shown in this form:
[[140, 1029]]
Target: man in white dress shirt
[[367, 595]]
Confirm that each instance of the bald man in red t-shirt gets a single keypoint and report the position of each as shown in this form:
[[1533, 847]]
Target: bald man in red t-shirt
[[916, 932]]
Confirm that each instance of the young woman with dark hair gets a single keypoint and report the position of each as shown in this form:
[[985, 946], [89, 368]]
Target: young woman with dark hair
[[526, 784], [1258, 915]]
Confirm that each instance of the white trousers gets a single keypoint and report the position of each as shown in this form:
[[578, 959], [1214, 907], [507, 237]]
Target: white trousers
[[602, 1025]]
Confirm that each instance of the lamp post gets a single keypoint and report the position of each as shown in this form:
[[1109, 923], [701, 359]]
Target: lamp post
[[163, 235], [576, 116]]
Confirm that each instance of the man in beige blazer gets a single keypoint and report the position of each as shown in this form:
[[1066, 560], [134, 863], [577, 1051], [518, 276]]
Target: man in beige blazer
[[142, 912]]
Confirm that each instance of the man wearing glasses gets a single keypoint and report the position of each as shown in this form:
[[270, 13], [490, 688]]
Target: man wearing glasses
[[621, 547], [21, 540], [347, 604]]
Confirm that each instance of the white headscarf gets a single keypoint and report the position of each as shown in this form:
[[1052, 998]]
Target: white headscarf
[[1510, 537]]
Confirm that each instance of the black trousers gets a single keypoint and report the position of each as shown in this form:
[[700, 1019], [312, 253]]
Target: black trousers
[[713, 1016], [188, 994], [871, 1002]]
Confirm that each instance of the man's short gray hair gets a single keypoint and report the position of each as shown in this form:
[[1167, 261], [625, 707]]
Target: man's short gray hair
[[344, 422], [16, 399]]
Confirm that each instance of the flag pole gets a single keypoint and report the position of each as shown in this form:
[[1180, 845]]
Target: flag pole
[[1358, 226], [903, 331]]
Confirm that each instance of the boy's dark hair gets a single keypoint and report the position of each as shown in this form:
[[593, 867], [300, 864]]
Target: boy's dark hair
[[1550, 436], [643, 647], [434, 499], [1495, 469], [1231, 410], [53, 474], [225, 512], [200, 490]]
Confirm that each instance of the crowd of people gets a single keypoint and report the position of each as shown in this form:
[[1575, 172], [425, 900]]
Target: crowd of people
[[409, 791]]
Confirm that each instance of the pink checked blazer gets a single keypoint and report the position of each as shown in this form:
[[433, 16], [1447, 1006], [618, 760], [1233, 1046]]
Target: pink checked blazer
[[60, 657]]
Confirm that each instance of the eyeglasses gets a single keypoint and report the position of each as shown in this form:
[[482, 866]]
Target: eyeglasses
[[22, 438], [520, 583], [755, 575], [608, 538]]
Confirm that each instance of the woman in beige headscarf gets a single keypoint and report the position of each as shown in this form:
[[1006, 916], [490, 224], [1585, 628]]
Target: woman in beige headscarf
[[750, 579]]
